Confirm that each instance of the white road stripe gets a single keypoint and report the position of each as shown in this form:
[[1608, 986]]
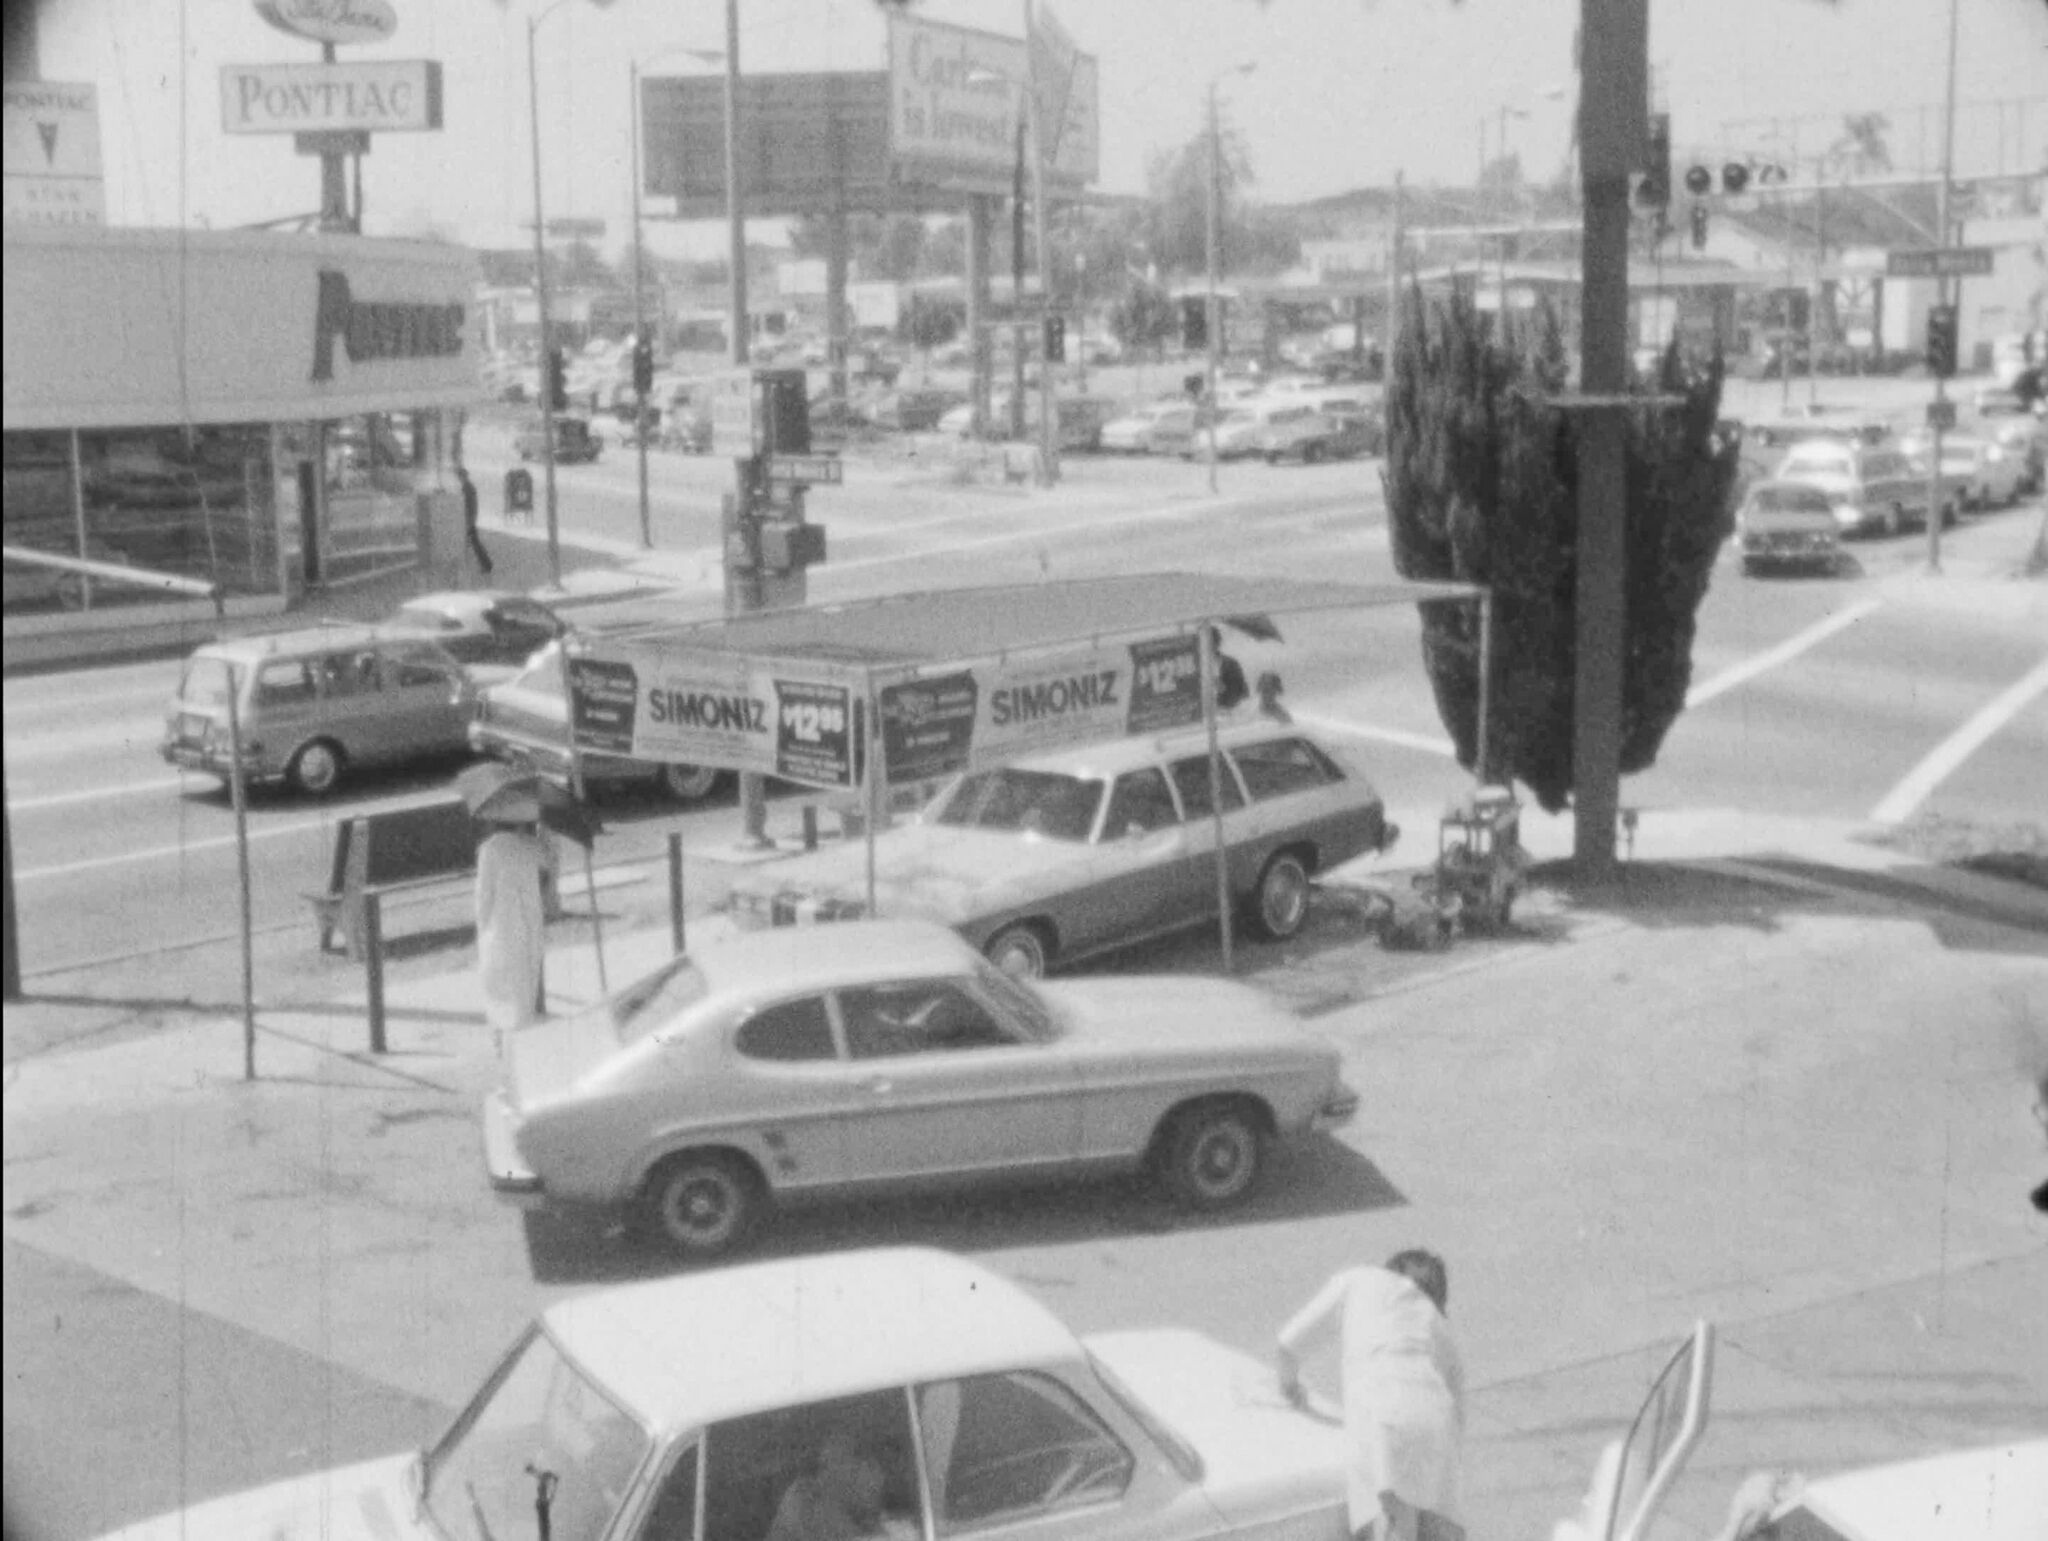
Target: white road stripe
[[163, 852], [1951, 752], [1396, 736], [93, 794], [1784, 652]]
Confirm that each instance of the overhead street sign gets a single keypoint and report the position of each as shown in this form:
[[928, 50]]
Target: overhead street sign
[[806, 470], [1939, 262]]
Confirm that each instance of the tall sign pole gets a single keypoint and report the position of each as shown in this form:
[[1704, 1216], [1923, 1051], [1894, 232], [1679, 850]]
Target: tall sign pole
[[540, 296], [742, 588], [639, 320], [1048, 424], [1945, 292], [1613, 135]]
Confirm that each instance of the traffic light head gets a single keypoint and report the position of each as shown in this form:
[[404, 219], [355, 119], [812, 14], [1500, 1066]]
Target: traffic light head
[[1699, 226], [557, 382], [1699, 181], [1194, 324], [1734, 177], [1056, 339], [1941, 341], [643, 366], [1654, 191]]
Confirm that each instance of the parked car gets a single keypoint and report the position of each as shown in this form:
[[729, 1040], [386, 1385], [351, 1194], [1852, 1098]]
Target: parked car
[[2023, 435], [1130, 433], [1240, 432], [315, 704], [575, 441], [1818, 421], [1322, 435], [1075, 852], [914, 409], [815, 1061], [1976, 472], [1994, 1493], [1787, 524], [525, 720], [686, 1409], [1869, 489], [490, 632]]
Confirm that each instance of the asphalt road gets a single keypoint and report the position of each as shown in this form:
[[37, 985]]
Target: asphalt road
[[1818, 697]]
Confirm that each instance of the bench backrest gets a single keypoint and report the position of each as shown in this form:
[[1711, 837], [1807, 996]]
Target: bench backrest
[[403, 844]]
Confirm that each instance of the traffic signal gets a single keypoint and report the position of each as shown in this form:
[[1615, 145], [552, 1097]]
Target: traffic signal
[[1699, 226], [1941, 341], [1194, 324], [1734, 177], [1055, 339], [1654, 191], [643, 366], [556, 383], [1699, 181]]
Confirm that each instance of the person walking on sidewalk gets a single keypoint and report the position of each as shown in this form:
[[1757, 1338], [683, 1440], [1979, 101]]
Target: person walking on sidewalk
[[1403, 1393], [469, 517], [511, 920]]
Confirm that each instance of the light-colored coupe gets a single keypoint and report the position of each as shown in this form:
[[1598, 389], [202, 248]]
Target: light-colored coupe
[[1071, 853], [809, 1061], [698, 1409]]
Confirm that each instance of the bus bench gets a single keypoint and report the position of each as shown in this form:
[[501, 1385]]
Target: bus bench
[[396, 851]]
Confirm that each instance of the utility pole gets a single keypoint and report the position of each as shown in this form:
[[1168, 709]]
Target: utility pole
[[1393, 288], [1048, 421], [540, 290], [1214, 310], [742, 588], [639, 319], [1946, 291], [1613, 131]]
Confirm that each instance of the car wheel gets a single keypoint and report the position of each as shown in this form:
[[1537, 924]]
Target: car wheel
[[1280, 902], [686, 783], [1748, 568], [1312, 454], [1022, 952], [316, 769], [1212, 1155], [701, 1204], [1895, 519]]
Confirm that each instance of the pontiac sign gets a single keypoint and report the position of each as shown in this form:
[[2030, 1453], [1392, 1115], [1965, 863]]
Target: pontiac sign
[[331, 21], [394, 96]]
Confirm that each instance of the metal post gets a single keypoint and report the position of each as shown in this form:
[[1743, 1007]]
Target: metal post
[[1393, 293], [1016, 425], [1943, 289], [373, 966], [1048, 421], [639, 319], [540, 289], [10, 933], [1484, 761], [742, 590], [978, 215], [877, 788], [1214, 308], [1081, 323], [675, 891], [238, 793], [1206, 645]]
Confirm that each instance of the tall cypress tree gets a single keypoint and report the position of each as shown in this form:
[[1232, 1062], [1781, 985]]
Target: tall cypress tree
[[1482, 486]]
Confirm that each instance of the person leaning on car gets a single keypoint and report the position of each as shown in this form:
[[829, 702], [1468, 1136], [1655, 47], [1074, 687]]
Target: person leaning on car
[[1404, 1394]]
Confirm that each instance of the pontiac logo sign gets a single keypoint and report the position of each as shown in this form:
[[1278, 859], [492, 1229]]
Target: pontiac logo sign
[[379, 330], [331, 21]]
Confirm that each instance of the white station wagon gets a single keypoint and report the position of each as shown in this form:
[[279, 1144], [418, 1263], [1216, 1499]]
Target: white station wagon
[[696, 1409], [809, 1061], [1066, 854]]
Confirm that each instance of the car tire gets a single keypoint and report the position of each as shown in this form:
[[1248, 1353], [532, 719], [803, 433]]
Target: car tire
[[1312, 454], [1021, 951], [1280, 899], [317, 768], [1895, 519], [686, 783], [1212, 1155], [700, 1204]]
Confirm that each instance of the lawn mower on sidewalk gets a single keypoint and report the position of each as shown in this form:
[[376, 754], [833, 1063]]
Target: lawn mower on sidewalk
[[1471, 886]]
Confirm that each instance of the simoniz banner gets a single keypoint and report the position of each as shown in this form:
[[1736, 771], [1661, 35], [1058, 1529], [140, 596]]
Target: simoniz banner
[[703, 709], [1086, 696]]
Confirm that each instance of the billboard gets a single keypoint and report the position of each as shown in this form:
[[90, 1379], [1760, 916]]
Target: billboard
[[801, 138], [53, 154], [954, 96]]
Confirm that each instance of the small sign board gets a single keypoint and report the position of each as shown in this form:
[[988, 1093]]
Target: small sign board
[[735, 421], [1939, 262], [806, 470], [1941, 414]]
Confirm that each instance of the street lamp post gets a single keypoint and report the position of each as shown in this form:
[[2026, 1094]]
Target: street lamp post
[[1214, 221], [540, 289]]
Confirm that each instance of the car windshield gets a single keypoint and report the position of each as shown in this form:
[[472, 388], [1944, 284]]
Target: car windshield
[[1820, 459], [1026, 802], [538, 1416], [543, 672], [656, 1001], [206, 682], [1790, 500], [418, 618], [1023, 1005]]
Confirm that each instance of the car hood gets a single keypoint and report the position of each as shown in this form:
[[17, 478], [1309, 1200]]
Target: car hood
[[934, 870], [1779, 521], [1261, 1458], [1179, 1016], [371, 1502]]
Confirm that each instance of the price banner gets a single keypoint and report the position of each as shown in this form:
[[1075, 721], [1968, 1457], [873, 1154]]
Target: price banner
[[602, 699], [1166, 684], [814, 733], [928, 726]]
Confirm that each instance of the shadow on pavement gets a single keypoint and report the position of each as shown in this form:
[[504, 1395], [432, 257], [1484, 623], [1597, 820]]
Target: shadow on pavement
[[1315, 1179]]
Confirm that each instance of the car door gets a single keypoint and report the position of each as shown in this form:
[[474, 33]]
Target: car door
[[354, 709], [791, 1081], [1194, 884], [942, 1084], [426, 700], [1128, 888], [1296, 793]]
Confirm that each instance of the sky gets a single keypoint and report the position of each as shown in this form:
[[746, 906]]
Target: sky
[[1342, 93]]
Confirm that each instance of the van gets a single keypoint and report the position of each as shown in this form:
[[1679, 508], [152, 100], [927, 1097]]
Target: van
[[575, 441], [317, 703]]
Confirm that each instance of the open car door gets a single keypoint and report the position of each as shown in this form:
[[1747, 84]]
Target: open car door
[[1629, 1490]]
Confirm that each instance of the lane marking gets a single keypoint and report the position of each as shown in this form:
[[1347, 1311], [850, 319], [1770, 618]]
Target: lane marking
[[1784, 652], [1396, 736], [1952, 751], [93, 794], [161, 852]]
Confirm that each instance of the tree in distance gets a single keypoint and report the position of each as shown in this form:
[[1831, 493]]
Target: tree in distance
[[1482, 486]]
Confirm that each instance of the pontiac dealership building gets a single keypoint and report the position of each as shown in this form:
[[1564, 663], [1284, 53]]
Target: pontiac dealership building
[[271, 413]]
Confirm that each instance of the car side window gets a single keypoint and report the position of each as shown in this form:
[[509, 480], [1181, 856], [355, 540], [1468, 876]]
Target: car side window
[[1280, 766], [846, 1467], [925, 1016], [1000, 1449], [788, 1031], [412, 669], [284, 684], [353, 673], [1191, 779], [1139, 803], [673, 1515]]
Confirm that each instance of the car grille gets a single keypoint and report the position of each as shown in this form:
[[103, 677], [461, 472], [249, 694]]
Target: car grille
[[1788, 541]]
